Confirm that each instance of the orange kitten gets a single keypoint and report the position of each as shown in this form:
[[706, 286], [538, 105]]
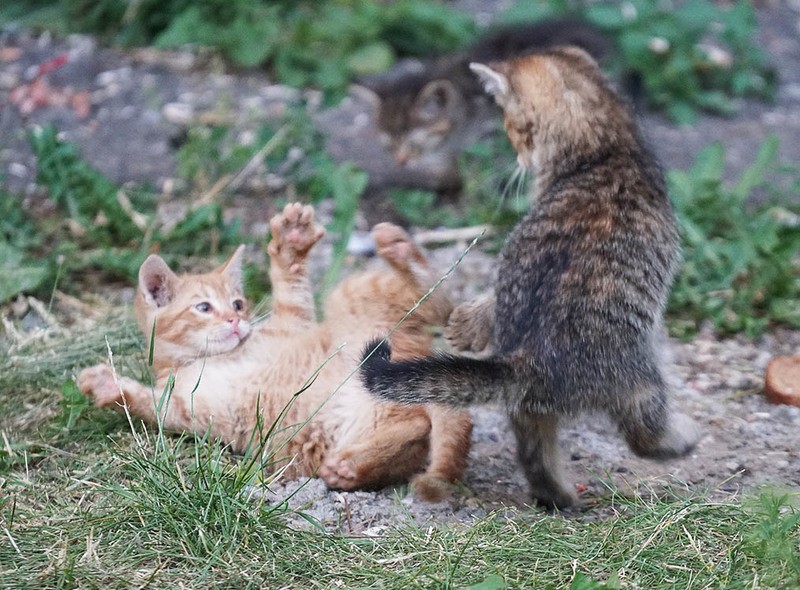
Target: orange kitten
[[232, 377]]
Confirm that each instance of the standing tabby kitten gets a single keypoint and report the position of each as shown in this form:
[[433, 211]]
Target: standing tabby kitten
[[235, 379], [577, 310]]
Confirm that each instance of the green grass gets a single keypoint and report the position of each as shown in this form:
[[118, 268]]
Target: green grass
[[89, 500], [672, 48], [128, 517]]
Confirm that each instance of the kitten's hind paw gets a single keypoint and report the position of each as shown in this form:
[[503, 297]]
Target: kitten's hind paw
[[395, 246], [98, 383], [339, 473], [430, 488], [294, 232], [680, 437]]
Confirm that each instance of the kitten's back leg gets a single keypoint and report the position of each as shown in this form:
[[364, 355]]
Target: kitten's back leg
[[538, 452], [651, 428], [450, 441], [395, 246], [390, 451]]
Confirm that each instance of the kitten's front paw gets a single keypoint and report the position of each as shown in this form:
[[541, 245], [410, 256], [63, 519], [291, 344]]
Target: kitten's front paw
[[339, 473], [467, 329], [98, 383], [294, 232], [395, 246]]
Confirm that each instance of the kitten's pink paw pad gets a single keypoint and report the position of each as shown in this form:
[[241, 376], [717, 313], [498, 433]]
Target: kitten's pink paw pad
[[294, 232], [98, 383], [396, 247], [339, 473]]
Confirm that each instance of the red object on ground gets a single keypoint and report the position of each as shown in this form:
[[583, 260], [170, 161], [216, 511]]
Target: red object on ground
[[782, 380]]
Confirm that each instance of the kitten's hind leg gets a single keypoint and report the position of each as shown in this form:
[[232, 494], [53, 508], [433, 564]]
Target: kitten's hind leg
[[396, 247], [294, 232], [651, 428], [390, 452], [537, 450], [450, 441]]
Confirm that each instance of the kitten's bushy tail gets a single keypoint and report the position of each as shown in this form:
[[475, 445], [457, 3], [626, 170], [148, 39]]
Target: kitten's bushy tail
[[441, 378]]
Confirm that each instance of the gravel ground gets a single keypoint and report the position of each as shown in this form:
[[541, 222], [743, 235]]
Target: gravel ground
[[139, 102]]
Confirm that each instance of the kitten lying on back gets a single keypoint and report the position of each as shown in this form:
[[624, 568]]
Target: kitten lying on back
[[229, 373], [432, 111], [576, 315]]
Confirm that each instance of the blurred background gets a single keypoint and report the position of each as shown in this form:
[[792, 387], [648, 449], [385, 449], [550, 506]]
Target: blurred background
[[178, 126]]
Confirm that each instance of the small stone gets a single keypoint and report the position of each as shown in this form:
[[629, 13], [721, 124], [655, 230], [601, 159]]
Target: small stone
[[178, 113], [18, 170], [360, 243], [20, 307]]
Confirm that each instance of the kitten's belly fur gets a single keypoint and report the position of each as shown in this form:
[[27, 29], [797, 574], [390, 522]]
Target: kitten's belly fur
[[268, 370]]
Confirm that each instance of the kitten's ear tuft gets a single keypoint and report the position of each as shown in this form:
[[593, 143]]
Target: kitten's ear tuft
[[233, 267], [494, 83], [157, 282]]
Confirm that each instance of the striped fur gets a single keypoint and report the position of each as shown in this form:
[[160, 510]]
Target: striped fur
[[239, 380], [582, 281]]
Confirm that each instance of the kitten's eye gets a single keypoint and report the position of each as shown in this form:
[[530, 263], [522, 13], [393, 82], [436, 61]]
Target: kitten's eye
[[238, 305], [203, 307]]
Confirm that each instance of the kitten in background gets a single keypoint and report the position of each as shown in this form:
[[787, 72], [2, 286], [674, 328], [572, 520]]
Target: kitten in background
[[431, 111]]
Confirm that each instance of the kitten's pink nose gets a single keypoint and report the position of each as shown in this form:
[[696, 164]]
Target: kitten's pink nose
[[234, 322]]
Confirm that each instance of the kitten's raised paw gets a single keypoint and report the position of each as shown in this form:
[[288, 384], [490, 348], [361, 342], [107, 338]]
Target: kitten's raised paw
[[469, 328], [294, 232], [339, 473], [396, 247], [99, 384]]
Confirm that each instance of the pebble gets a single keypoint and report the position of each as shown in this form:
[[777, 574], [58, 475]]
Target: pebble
[[281, 93], [361, 243], [178, 113]]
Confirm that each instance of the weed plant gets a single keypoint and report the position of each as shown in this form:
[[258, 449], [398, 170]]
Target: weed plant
[[305, 43], [740, 267]]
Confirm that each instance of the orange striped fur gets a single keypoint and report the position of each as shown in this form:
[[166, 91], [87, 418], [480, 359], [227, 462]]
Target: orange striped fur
[[234, 378]]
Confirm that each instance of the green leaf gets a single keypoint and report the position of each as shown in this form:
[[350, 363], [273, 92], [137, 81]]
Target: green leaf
[[492, 582], [17, 273], [73, 403], [754, 175], [605, 16], [371, 58], [709, 164]]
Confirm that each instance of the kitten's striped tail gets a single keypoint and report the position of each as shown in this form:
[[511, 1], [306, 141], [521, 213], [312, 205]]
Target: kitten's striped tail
[[439, 379]]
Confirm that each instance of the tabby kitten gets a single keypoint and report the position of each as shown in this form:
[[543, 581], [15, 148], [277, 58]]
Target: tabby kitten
[[431, 111], [582, 282], [234, 378]]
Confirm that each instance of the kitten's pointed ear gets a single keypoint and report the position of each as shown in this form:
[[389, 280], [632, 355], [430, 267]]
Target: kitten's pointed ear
[[494, 83], [233, 267], [157, 282], [437, 100]]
